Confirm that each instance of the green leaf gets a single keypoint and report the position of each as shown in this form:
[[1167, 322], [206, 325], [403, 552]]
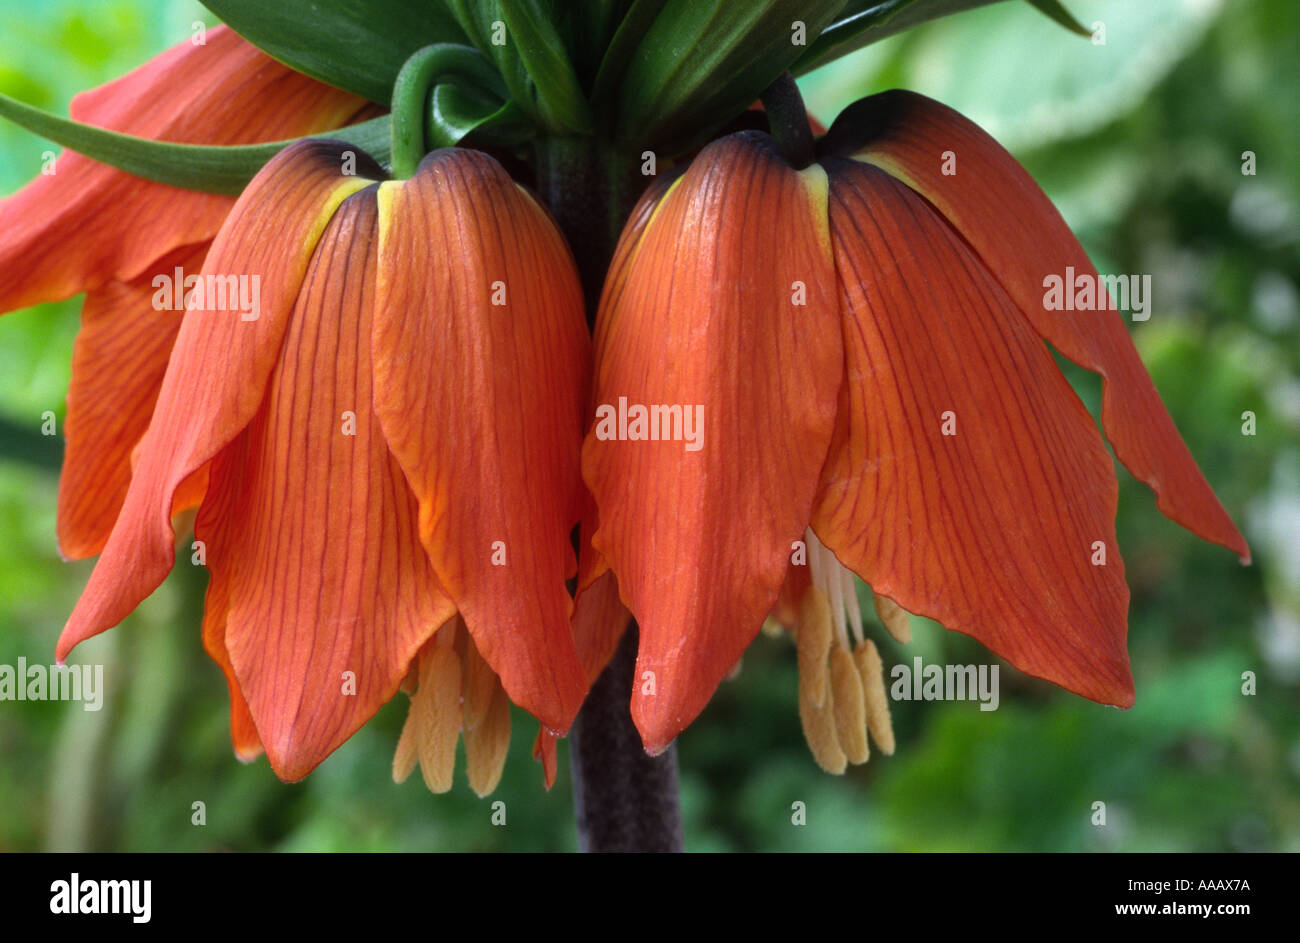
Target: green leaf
[[223, 170], [482, 22], [701, 64], [559, 94], [457, 112], [622, 47], [1060, 14], [588, 26], [356, 45], [520, 36], [867, 21]]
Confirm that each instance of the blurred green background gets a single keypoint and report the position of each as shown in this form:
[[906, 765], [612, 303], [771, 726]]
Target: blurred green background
[[1140, 143]]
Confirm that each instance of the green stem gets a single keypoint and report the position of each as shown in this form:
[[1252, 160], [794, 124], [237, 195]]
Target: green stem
[[415, 82], [590, 186], [788, 119], [624, 800]]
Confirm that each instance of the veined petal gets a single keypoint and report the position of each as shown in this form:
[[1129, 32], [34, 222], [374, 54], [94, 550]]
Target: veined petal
[[726, 310], [481, 364], [217, 374], [313, 525], [966, 481], [798, 578], [599, 621], [544, 753], [1023, 240], [222, 504], [87, 223], [118, 363], [599, 616]]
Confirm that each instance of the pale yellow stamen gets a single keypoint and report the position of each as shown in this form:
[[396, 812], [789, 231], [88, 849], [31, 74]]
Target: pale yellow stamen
[[819, 731], [840, 704], [487, 744], [406, 757], [850, 707], [852, 604], [826, 577], [872, 671], [436, 706], [895, 619], [481, 686], [837, 582], [454, 691], [813, 643]]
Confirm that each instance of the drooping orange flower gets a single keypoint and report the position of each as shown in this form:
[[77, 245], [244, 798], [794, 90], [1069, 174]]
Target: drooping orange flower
[[372, 463], [807, 373], [88, 227]]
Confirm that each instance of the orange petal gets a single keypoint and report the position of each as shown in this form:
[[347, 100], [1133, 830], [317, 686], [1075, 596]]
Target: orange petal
[[118, 364], [599, 616], [798, 577], [88, 223], [544, 753], [991, 530], [314, 527], [708, 317], [1022, 239], [482, 405], [217, 373], [225, 503], [599, 621]]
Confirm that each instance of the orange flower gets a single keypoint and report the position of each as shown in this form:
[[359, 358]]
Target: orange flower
[[806, 372], [90, 228], [389, 447]]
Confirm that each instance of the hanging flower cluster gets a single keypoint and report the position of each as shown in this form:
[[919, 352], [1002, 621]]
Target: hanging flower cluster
[[329, 312]]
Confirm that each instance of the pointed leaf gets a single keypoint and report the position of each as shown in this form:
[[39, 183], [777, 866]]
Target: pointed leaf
[[867, 21], [223, 170], [560, 97], [701, 64], [1054, 10], [522, 40], [357, 45]]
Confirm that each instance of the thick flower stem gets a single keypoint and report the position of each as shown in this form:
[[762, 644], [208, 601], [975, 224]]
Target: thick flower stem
[[590, 186], [624, 799], [788, 119]]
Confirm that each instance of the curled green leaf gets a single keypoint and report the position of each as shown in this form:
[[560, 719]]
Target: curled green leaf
[[456, 113], [433, 66]]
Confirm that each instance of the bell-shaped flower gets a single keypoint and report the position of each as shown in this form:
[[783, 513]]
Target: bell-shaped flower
[[804, 373], [383, 446]]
